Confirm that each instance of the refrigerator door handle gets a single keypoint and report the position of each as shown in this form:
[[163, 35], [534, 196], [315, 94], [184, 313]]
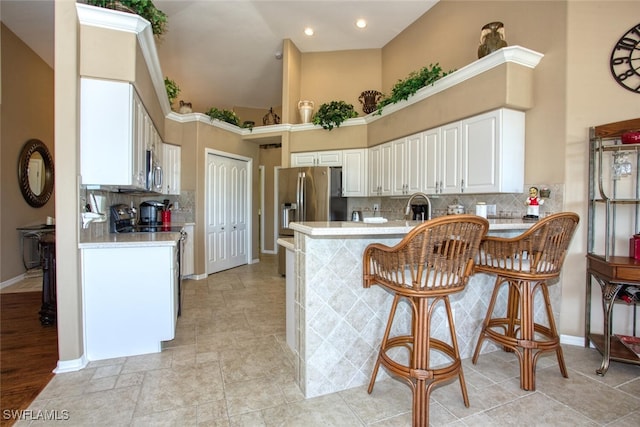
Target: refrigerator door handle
[[298, 187], [302, 210]]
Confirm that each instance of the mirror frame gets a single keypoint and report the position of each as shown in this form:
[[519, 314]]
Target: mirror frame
[[30, 147]]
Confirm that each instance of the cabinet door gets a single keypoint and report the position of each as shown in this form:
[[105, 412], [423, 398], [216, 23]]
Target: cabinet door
[[493, 152], [399, 148], [450, 159], [386, 169], [303, 159], [354, 173], [431, 161], [329, 158], [106, 133], [171, 168], [374, 170], [413, 163]]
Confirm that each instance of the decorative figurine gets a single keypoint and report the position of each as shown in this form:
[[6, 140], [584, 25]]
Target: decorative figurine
[[533, 204], [271, 118], [491, 38], [185, 108]]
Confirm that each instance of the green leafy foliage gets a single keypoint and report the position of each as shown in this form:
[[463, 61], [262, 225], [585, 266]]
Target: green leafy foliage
[[416, 80], [172, 89], [144, 8], [332, 114], [223, 116]]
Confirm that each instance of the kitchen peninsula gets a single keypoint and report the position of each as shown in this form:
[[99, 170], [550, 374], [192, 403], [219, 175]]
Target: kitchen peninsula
[[338, 324]]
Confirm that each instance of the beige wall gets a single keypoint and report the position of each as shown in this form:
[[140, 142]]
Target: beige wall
[[27, 99], [339, 76], [593, 98]]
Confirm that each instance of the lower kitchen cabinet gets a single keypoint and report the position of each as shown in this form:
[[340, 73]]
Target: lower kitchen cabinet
[[130, 299]]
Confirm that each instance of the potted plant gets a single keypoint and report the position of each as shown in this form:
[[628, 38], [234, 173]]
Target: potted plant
[[223, 115], [403, 89], [332, 114], [144, 8], [172, 89]]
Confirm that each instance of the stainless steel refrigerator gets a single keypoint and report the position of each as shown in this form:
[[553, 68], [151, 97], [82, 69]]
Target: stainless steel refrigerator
[[308, 194]]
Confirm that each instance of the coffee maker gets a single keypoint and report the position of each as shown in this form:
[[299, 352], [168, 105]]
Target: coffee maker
[[420, 212], [150, 213]]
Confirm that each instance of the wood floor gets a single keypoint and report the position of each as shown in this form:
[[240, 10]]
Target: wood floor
[[28, 352]]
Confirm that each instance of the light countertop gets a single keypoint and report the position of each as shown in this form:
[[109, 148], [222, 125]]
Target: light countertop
[[353, 228], [122, 240]]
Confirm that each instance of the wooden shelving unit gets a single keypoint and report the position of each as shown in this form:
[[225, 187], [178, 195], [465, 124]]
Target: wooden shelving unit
[[617, 202]]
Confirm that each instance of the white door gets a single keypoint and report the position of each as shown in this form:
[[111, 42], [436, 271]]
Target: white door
[[227, 213]]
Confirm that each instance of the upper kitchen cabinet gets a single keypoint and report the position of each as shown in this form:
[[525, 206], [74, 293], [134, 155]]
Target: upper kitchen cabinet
[[407, 165], [493, 152], [481, 154], [381, 169], [171, 169], [113, 133], [317, 158], [354, 173], [441, 160]]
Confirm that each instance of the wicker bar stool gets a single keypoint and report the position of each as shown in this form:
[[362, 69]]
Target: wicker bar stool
[[432, 261], [525, 264]]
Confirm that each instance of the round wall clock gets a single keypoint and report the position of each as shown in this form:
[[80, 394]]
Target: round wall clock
[[625, 60]]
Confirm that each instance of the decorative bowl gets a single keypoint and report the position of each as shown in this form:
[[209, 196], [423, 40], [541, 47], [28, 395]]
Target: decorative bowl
[[631, 137]]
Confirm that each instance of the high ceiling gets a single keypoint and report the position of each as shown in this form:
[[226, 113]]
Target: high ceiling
[[224, 53]]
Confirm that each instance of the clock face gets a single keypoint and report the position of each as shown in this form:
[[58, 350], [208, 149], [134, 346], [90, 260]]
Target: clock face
[[625, 60]]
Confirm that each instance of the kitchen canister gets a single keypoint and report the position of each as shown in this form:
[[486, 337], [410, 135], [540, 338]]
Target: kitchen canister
[[481, 209]]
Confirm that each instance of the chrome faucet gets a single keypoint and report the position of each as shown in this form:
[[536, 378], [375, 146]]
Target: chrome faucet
[[407, 210]]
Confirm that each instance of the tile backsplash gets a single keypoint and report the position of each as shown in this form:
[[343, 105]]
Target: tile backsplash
[[507, 205], [183, 211]]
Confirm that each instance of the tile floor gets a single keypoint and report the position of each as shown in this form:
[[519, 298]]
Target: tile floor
[[229, 366]]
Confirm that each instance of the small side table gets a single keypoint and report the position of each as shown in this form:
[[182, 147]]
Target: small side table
[[48, 255]]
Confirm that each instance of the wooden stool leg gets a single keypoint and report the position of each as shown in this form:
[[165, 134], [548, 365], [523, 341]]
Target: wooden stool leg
[[527, 364], [383, 344], [554, 332], [420, 363], [454, 341], [513, 306], [487, 318]]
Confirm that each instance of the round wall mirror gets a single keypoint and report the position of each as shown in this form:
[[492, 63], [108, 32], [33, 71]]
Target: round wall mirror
[[35, 173]]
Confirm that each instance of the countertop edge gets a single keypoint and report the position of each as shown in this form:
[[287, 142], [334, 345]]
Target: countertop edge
[[353, 228]]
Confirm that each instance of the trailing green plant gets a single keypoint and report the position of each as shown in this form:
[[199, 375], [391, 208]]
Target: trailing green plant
[[172, 89], [332, 114], [416, 80], [144, 8], [223, 116]]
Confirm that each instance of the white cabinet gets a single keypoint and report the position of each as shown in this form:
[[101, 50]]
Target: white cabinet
[[354, 173], [407, 165], [482, 154], [171, 169], [188, 257], [112, 132], [129, 310], [380, 169], [440, 160], [493, 152], [317, 158]]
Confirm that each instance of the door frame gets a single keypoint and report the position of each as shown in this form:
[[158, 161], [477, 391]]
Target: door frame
[[249, 222]]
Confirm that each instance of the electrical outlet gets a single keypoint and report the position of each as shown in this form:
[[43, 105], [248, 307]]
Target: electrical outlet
[[375, 208]]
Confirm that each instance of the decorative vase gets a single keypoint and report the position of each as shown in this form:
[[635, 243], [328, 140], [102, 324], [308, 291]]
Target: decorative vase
[[369, 100], [306, 110], [491, 38], [271, 118]]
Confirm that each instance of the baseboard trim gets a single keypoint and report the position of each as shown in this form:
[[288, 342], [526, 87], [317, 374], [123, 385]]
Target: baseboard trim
[[70, 365], [572, 340], [12, 281]]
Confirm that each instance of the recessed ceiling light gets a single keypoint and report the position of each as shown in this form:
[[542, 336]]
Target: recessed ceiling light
[[308, 31], [361, 23]]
